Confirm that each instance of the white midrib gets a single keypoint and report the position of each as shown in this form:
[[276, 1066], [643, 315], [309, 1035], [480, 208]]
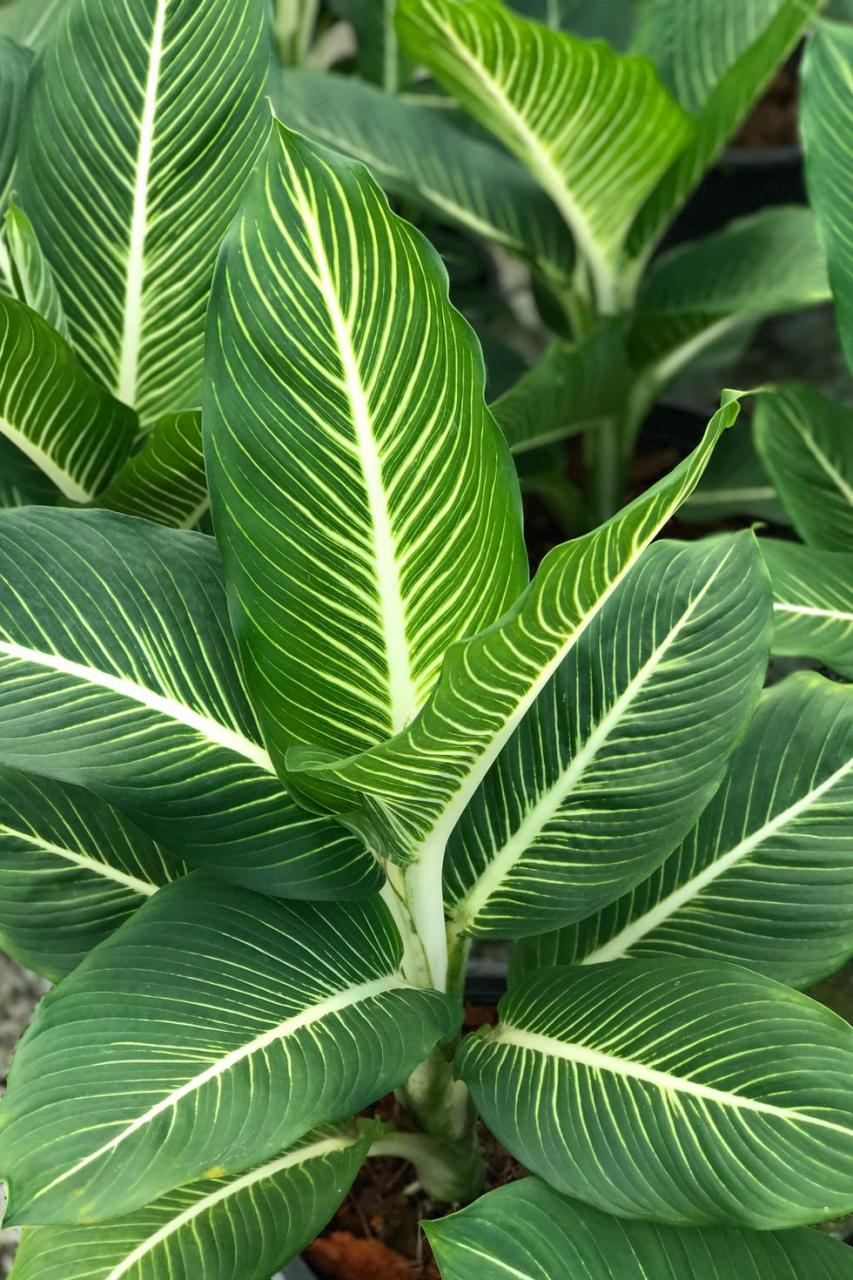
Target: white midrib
[[542, 164], [550, 802], [127, 377], [621, 944], [308, 1017], [168, 707], [84, 860], [811, 611], [710, 497], [831, 470], [67, 485], [402, 693], [583, 1056], [316, 1151]]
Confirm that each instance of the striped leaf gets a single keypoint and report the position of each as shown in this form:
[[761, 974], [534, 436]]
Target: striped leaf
[[416, 788], [210, 1032], [72, 869], [685, 1092], [15, 63], [27, 274], [52, 411], [415, 153], [574, 388], [717, 57], [118, 672], [805, 441], [812, 603], [528, 1231], [597, 129], [734, 483], [765, 877], [144, 120], [365, 502], [768, 262], [623, 747], [246, 1225], [165, 481], [827, 128], [21, 481]]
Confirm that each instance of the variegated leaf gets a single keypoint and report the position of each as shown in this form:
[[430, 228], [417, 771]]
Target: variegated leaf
[[210, 1032], [765, 877], [15, 64], [364, 499], [118, 672], [812, 603], [144, 120], [165, 480], [28, 276]]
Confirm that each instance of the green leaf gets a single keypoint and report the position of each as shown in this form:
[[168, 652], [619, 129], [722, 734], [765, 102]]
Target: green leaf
[[213, 1030], [165, 481], [717, 58], [51, 410], [681, 1091], [765, 877], [623, 747], [414, 152], [595, 128], [528, 1231], [612, 20], [812, 603], [364, 499], [756, 266], [734, 483], [144, 120], [827, 127], [246, 1225], [21, 481], [29, 21], [379, 57], [29, 277], [15, 63], [573, 388], [805, 441], [119, 673], [72, 869], [414, 789]]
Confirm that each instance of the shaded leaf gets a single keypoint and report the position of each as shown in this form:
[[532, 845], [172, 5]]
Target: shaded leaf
[[812, 603], [165, 481], [15, 64], [734, 483]]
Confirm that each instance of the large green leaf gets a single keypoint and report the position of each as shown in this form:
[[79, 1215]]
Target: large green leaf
[[675, 1090], [768, 262], [144, 119], [364, 499], [716, 56], [574, 388], [596, 128], [15, 63], [72, 869], [51, 410], [805, 441], [827, 129], [214, 1029], [28, 276], [118, 672], [415, 788], [416, 153], [165, 481], [765, 877], [530, 1232], [812, 603], [623, 747], [246, 1225], [21, 481]]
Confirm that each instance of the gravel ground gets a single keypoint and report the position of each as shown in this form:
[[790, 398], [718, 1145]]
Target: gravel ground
[[19, 993]]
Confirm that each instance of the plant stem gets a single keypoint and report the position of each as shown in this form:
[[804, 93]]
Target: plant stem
[[294, 25], [437, 1166], [441, 1106], [604, 463]]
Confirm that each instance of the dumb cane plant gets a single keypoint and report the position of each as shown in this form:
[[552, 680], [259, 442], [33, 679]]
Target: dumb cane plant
[[259, 793]]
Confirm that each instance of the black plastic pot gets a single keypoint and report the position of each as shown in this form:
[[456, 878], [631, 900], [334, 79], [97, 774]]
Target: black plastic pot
[[743, 182]]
